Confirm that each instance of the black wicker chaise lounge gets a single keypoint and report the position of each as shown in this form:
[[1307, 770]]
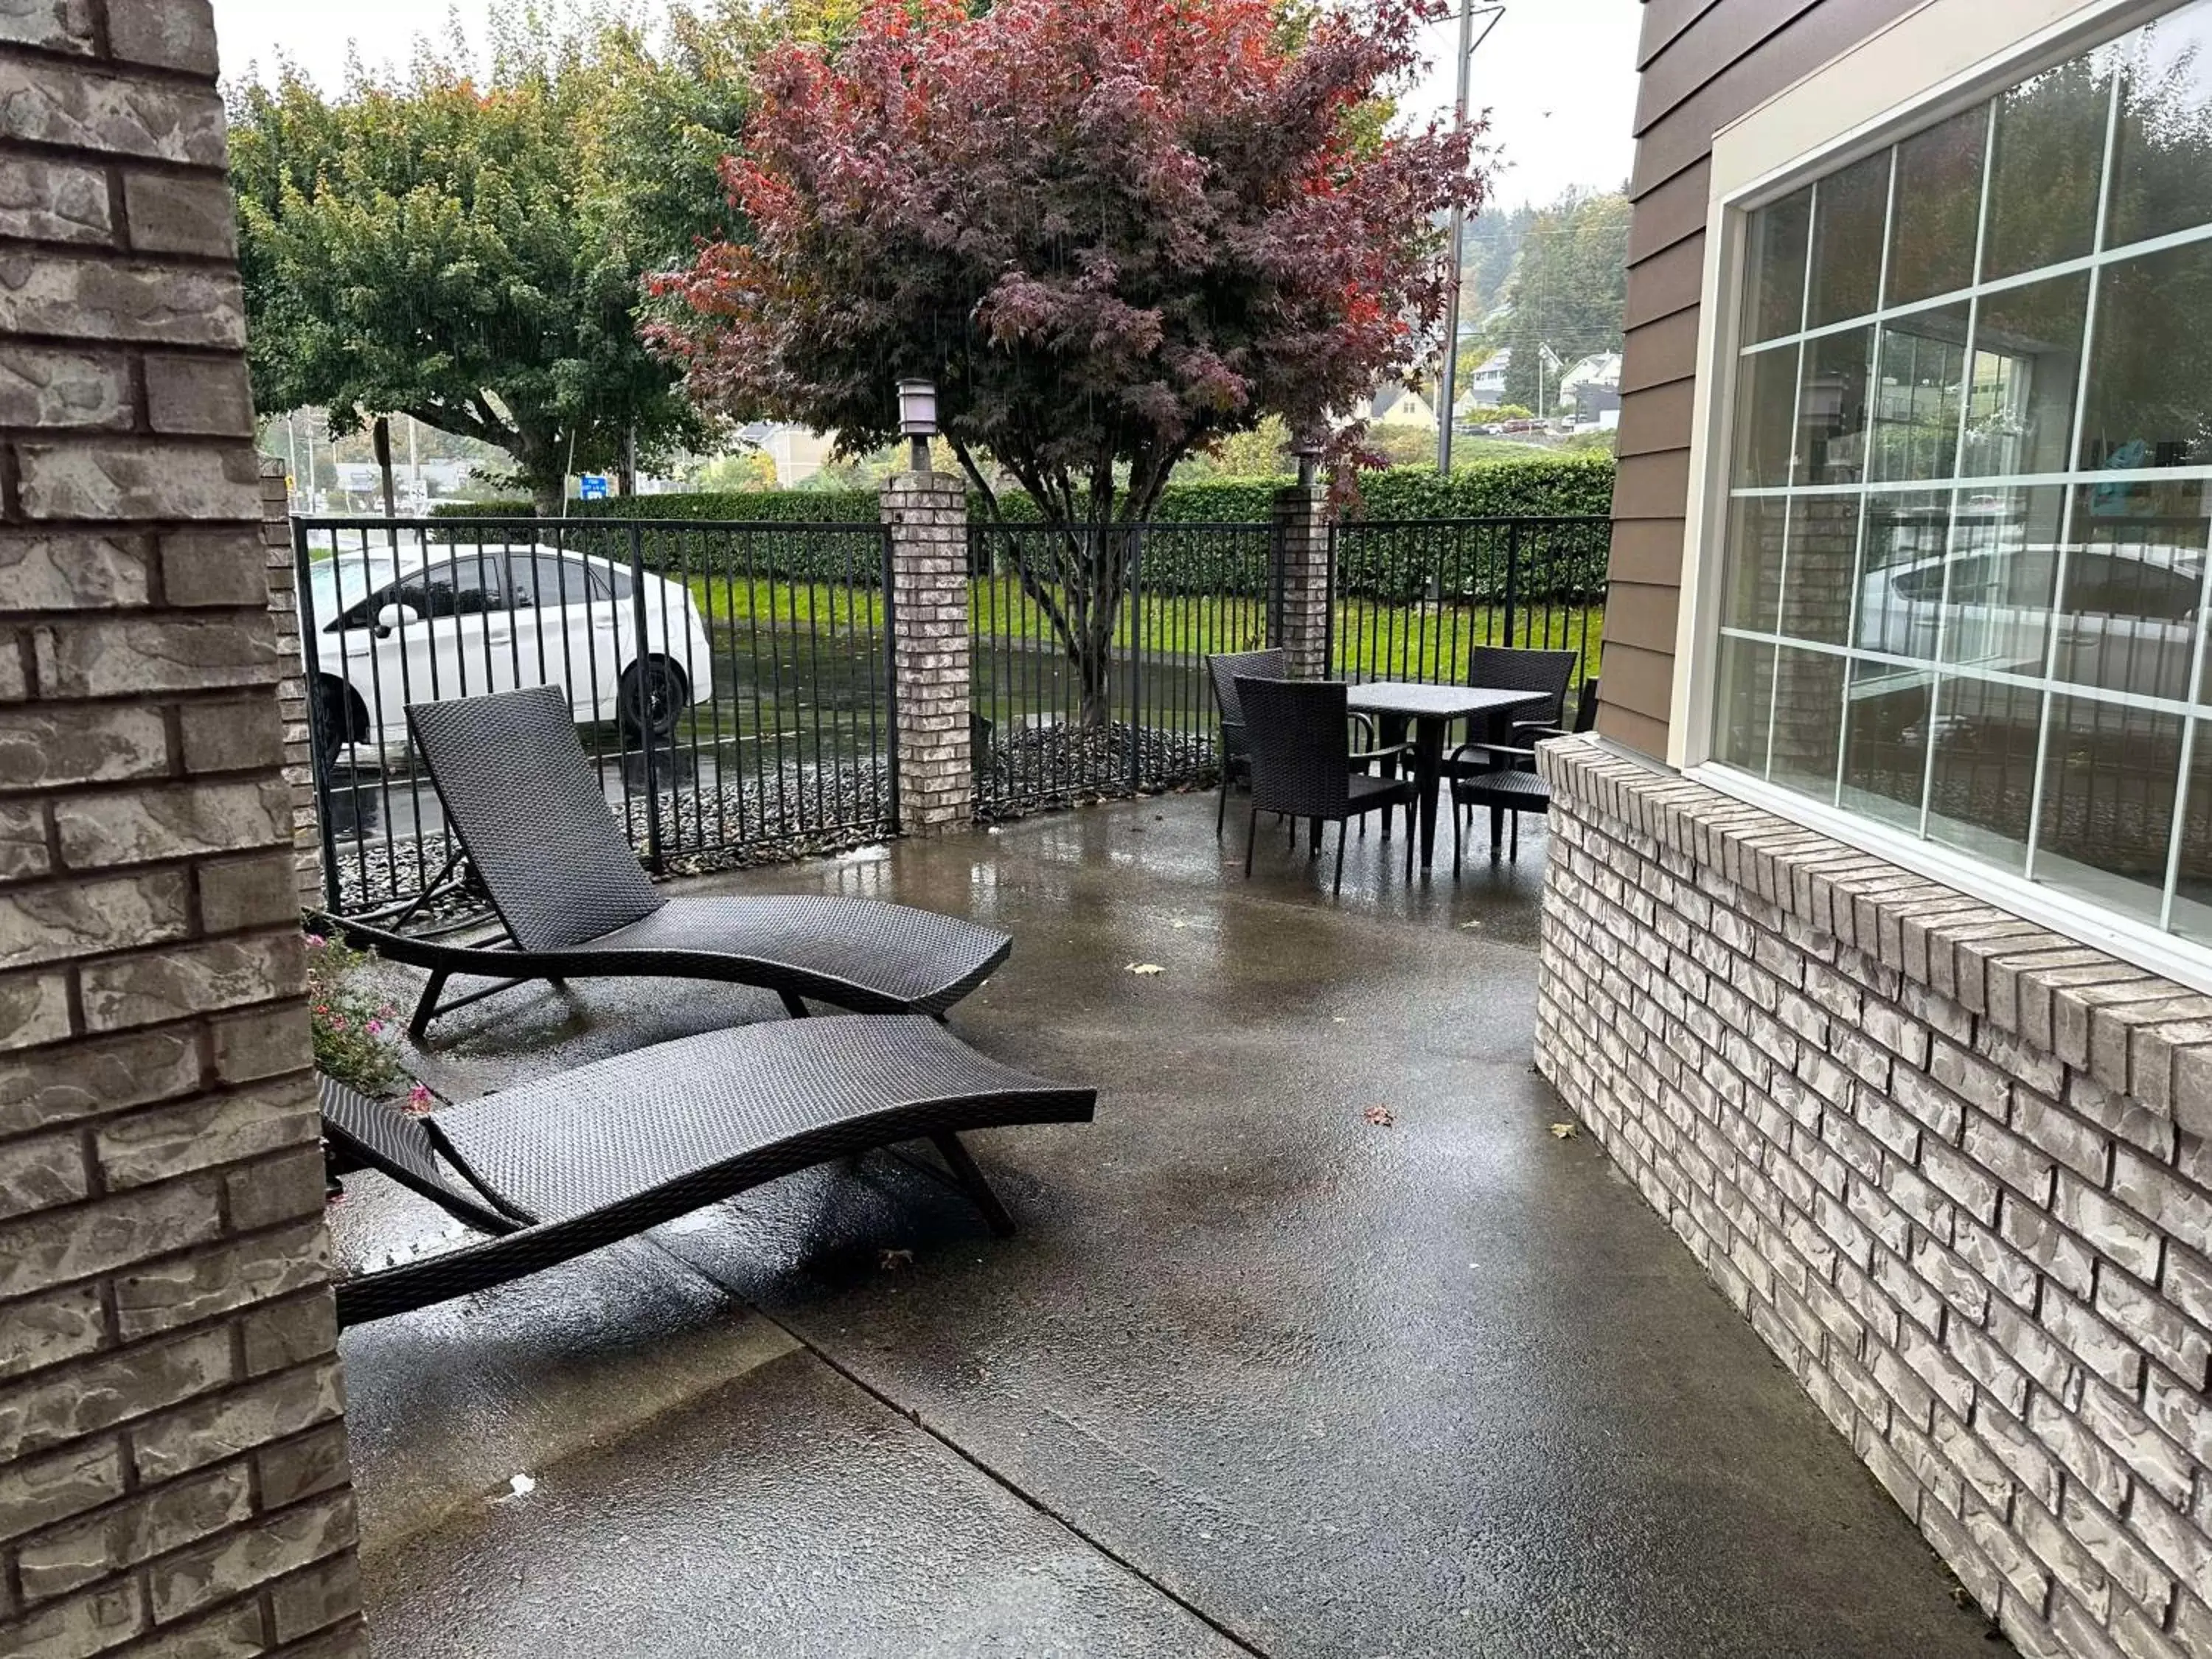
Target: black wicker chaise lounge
[[532, 819], [557, 1167]]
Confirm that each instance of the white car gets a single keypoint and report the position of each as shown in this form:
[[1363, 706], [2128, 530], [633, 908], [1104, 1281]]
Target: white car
[[432, 624]]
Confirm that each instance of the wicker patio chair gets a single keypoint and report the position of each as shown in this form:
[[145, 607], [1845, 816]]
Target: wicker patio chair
[[1272, 664], [1224, 670], [550, 1169], [1300, 742], [1506, 779], [533, 820], [1512, 668]]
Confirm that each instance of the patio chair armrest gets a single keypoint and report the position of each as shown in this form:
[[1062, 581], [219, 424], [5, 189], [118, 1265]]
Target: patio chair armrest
[[1530, 732], [1388, 751], [1500, 751], [1365, 722]]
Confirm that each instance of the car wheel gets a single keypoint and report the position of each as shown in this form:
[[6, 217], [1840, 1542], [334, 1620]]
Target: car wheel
[[342, 716], [651, 696]]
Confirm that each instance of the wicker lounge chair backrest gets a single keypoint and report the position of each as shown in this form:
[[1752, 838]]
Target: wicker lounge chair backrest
[[1232, 665], [1510, 668], [1301, 746], [378, 1135], [520, 794]]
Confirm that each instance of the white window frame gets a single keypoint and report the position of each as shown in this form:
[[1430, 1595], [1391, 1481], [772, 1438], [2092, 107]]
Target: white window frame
[[1936, 62]]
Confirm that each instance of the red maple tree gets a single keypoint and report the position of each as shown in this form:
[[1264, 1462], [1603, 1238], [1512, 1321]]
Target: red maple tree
[[1110, 231]]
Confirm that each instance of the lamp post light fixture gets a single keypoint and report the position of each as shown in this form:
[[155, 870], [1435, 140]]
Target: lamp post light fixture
[[917, 402], [1307, 449]]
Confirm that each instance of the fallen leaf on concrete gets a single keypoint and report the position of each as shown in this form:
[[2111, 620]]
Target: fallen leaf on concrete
[[891, 1261], [1143, 968], [521, 1486], [1565, 1131], [1381, 1116], [1469, 927]]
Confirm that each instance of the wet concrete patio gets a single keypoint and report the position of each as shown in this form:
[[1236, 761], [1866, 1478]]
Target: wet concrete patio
[[1257, 1376]]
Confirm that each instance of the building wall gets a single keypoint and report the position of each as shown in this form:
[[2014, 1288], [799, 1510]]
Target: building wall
[[173, 1464], [1954, 1169], [1705, 63]]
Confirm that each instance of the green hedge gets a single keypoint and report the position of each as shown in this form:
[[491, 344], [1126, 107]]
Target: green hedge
[[1379, 562]]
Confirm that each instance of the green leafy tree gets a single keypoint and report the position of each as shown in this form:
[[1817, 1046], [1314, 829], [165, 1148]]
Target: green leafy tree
[[1569, 292], [470, 252]]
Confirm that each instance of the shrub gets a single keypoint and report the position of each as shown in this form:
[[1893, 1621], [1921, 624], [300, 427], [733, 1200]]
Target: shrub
[[349, 1022]]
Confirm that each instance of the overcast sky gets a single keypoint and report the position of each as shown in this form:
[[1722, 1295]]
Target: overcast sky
[[1559, 76]]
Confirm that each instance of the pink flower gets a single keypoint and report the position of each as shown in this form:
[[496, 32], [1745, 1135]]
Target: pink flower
[[376, 1028], [338, 1022], [316, 941], [418, 1101]]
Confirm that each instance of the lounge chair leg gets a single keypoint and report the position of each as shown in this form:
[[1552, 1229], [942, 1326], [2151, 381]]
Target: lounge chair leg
[[1410, 839], [1343, 830], [1459, 835], [427, 1009], [1314, 831], [1497, 831], [973, 1183], [1515, 854], [1221, 807], [792, 1005], [1251, 839]]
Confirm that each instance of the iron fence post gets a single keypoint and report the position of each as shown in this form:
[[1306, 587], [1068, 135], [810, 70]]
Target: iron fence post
[[1132, 602], [891, 671], [1512, 573], [653, 860], [319, 740]]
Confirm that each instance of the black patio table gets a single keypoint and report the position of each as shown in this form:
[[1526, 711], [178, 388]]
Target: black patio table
[[1432, 709]]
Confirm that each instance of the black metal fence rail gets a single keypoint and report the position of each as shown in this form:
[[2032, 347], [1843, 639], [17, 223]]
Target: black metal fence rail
[[1411, 598], [1075, 699], [731, 681]]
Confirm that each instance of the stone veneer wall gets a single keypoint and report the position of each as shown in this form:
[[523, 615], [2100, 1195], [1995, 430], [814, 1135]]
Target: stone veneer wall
[[173, 1466], [926, 514], [292, 689], [1955, 1169], [1298, 578]]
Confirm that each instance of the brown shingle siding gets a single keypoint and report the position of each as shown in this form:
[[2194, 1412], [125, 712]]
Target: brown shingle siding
[[1706, 63]]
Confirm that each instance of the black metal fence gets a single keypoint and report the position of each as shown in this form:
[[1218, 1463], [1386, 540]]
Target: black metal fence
[[1088, 652], [730, 682], [1413, 597]]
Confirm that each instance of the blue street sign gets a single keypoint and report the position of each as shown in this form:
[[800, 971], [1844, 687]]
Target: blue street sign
[[593, 487]]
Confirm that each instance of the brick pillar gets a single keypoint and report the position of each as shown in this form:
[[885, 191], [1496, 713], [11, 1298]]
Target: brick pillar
[[1297, 590], [173, 1463], [927, 513], [292, 689]]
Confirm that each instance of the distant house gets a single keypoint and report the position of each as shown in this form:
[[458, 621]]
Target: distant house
[[1485, 387], [796, 452], [1593, 386], [1401, 405]]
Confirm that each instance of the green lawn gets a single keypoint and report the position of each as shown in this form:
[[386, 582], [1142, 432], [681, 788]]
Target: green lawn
[[1429, 640]]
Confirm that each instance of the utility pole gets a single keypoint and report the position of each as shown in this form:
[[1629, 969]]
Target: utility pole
[[292, 445], [1468, 40]]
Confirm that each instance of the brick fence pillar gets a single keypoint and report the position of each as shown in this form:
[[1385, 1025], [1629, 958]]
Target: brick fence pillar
[[927, 513], [173, 1463], [1297, 587], [292, 689]]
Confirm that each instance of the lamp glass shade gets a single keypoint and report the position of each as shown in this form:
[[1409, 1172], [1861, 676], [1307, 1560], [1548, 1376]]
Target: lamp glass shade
[[917, 408]]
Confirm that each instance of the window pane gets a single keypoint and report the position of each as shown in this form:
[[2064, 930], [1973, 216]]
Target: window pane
[[2134, 586], [1981, 779], [1808, 711], [1848, 210], [1742, 712], [2004, 569], [2150, 370], [2027, 359], [1901, 595], [2192, 887], [1774, 301], [1824, 545], [1767, 405], [1831, 409], [1756, 527], [1939, 208], [2048, 167], [2108, 788], [2162, 160], [1922, 379], [1885, 743]]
